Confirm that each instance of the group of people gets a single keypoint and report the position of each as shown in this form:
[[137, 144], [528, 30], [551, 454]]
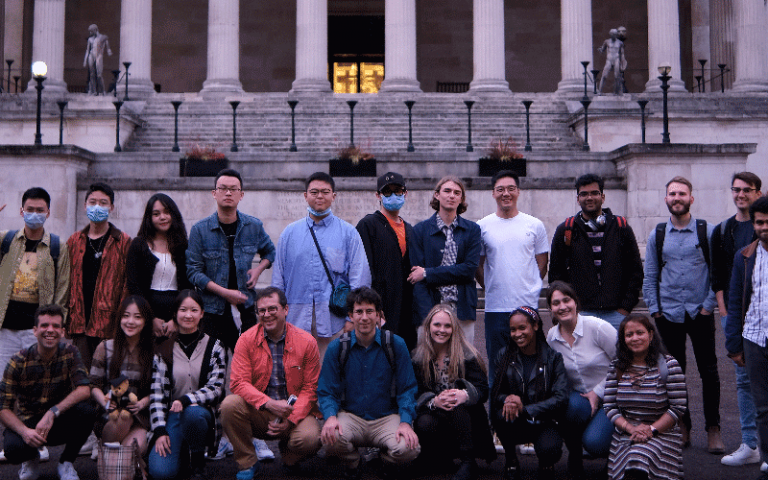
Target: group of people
[[365, 338]]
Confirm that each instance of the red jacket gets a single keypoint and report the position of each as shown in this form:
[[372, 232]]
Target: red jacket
[[252, 366], [110, 285]]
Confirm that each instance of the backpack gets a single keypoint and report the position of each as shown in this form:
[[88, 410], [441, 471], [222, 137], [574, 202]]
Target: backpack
[[389, 352], [661, 232], [568, 235], [55, 249]]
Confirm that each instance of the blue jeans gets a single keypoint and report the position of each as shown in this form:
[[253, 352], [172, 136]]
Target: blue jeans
[[188, 432], [581, 429], [747, 412], [756, 358], [611, 316], [496, 337]]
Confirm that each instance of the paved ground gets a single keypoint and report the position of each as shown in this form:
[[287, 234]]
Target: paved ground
[[699, 465]]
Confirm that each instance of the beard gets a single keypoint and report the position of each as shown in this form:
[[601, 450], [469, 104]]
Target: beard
[[682, 208]]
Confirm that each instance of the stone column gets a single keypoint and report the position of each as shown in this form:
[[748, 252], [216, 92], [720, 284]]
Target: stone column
[[722, 41], [700, 33], [663, 44], [48, 45], [223, 47], [488, 50], [311, 46], [751, 51], [575, 45], [136, 47], [12, 40], [400, 47]]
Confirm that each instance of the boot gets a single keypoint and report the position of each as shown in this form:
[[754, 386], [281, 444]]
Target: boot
[[466, 470], [714, 443]]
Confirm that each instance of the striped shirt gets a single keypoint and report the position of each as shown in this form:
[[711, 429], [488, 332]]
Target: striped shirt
[[756, 320]]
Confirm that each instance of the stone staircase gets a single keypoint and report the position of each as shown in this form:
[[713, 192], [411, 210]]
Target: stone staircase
[[380, 123]]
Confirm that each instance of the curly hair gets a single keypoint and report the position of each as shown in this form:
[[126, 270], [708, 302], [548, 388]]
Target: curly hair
[[624, 355]]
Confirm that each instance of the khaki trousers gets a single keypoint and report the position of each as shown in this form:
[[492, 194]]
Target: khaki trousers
[[380, 433]]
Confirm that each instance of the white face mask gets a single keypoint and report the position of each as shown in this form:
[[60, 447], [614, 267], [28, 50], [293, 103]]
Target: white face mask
[[34, 220]]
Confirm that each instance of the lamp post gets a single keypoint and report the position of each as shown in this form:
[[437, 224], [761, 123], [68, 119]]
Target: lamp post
[[528, 104], [62, 105], [126, 65], [703, 61], [469, 104], [292, 104], [16, 79], [664, 70], [116, 75], [176, 104], [234, 104], [594, 80], [698, 81], [585, 64], [409, 104], [642, 104], [9, 62], [722, 66], [118, 104], [585, 104], [39, 69], [352, 104]]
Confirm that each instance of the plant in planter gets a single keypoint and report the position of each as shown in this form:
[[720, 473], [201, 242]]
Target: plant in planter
[[502, 155], [202, 161], [352, 161]]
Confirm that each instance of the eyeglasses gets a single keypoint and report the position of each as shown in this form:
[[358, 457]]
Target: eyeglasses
[[228, 189], [746, 190], [316, 193], [388, 192], [510, 189], [593, 193], [270, 310]]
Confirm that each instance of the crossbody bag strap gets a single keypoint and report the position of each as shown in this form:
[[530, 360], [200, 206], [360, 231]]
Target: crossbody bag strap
[[327, 272]]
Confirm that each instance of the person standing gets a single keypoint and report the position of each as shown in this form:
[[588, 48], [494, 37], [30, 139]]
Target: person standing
[[513, 261], [385, 236], [596, 252], [97, 275], [303, 273], [729, 237], [677, 291], [445, 255]]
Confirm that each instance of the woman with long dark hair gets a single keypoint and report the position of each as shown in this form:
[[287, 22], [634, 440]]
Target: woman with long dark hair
[[530, 394], [588, 346], [156, 261], [645, 398], [187, 387], [453, 386], [129, 353]]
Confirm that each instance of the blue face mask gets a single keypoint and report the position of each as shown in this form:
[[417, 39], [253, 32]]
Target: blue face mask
[[314, 212], [393, 202], [97, 213], [34, 220]]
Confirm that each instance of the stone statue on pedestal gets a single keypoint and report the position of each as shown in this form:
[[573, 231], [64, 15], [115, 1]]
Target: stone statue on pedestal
[[94, 59], [614, 61]]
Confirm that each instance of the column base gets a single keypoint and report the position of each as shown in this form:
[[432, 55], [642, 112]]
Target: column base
[[489, 85], [138, 89], [393, 85], [318, 85], [51, 88], [750, 86], [675, 86], [573, 86], [221, 86]]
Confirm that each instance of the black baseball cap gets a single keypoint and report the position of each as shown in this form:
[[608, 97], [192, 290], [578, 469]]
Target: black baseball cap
[[390, 178]]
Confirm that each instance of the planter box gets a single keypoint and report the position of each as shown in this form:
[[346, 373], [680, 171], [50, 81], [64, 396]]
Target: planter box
[[488, 167], [343, 167], [195, 167]]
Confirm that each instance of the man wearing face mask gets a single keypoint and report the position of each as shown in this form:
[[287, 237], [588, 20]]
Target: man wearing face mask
[[97, 276], [34, 271], [385, 237]]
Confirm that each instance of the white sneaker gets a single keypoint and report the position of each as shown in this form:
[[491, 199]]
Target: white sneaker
[[2, 455], [225, 448], [44, 455], [263, 453], [764, 467], [497, 444], [87, 448], [742, 456], [67, 471], [29, 470], [526, 449]]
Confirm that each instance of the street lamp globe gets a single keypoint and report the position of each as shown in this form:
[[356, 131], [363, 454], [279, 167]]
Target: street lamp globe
[[665, 68], [39, 68]]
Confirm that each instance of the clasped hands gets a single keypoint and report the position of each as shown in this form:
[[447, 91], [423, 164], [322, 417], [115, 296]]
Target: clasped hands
[[639, 433], [450, 399], [513, 406]]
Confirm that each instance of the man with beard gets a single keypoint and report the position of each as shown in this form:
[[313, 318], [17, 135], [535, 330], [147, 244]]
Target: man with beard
[[677, 291]]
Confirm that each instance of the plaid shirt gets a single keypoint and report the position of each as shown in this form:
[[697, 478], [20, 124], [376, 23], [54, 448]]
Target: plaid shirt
[[276, 389], [38, 385], [449, 293]]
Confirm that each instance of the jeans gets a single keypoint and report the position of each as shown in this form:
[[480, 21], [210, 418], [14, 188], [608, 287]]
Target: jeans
[[581, 429], [756, 358], [701, 331], [611, 316], [747, 411], [496, 335], [11, 341], [189, 433]]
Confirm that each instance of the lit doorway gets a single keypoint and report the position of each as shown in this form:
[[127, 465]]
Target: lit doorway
[[356, 53]]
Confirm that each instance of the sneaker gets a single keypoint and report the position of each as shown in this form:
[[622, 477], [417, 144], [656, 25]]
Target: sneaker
[[29, 470], [263, 453], [225, 449], [87, 448], [764, 467], [44, 455], [497, 444], [2, 455], [368, 454], [67, 471], [742, 456], [526, 449], [248, 473], [95, 452]]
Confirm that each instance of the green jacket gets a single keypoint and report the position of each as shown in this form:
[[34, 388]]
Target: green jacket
[[53, 283]]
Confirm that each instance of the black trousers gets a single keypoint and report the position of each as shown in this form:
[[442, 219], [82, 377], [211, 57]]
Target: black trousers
[[444, 432], [222, 327], [545, 436]]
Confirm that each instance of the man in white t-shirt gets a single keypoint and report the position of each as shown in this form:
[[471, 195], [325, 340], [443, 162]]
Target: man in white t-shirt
[[513, 261]]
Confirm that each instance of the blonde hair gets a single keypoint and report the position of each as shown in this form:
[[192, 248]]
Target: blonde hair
[[459, 349], [435, 204]]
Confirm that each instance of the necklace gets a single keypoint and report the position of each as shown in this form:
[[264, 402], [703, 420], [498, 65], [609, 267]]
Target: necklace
[[186, 346], [97, 249]]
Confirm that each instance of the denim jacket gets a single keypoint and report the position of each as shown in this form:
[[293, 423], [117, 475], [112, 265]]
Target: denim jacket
[[208, 256]]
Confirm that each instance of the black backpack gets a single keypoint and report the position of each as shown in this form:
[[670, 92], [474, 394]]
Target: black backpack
[[661, 232], [389, 352], [55, 249]]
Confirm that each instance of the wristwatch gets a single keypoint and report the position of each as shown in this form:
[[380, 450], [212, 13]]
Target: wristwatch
[[654, 431], [55, 411]]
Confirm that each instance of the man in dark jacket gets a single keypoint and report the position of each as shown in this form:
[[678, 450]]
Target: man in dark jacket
[[596, 252], [385, 237], [746, 326]]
